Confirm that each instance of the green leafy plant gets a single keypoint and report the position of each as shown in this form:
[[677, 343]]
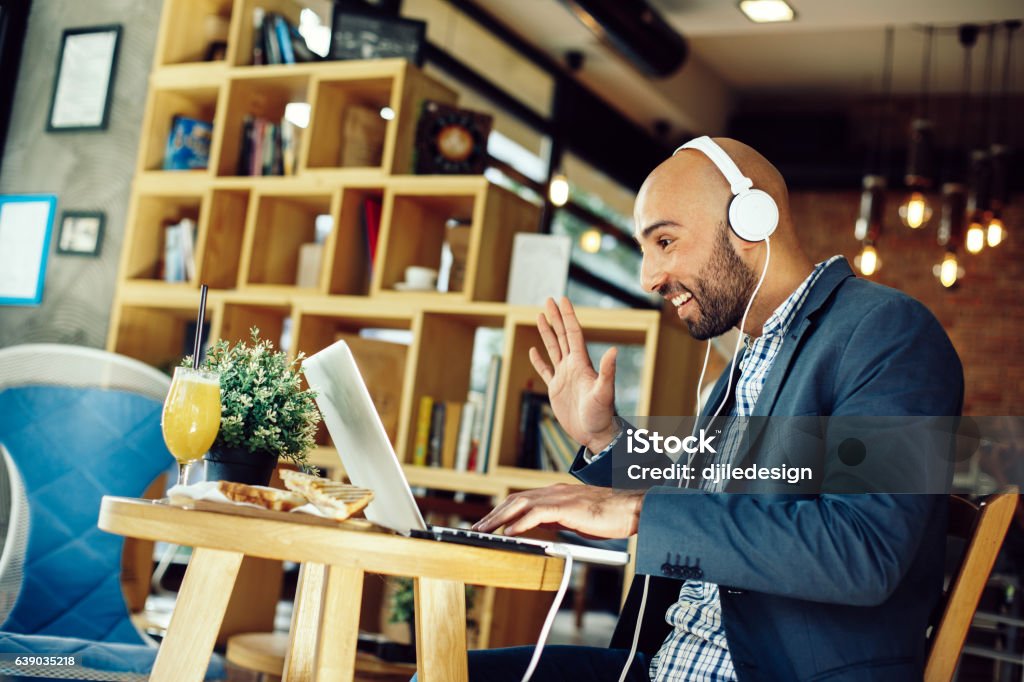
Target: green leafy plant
[[403, 601], [263, 406]]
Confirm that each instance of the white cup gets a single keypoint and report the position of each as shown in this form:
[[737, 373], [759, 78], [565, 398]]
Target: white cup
[[419, 277]]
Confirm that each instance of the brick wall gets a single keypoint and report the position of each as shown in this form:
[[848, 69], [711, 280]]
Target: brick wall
[[984, 316]]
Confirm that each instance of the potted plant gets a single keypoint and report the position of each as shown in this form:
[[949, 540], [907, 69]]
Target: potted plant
[[265, 413]]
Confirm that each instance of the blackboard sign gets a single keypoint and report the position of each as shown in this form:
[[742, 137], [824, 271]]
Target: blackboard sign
[[361, 35]]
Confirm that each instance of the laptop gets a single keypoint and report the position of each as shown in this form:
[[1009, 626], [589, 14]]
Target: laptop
[[370, 462]]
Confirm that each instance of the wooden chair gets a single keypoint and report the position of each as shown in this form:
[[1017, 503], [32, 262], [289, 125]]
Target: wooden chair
[[984, 527]]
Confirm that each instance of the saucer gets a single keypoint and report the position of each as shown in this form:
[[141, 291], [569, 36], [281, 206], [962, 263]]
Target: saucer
[[405, 286]]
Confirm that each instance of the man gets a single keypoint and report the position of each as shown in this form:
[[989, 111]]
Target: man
[[775, 587]]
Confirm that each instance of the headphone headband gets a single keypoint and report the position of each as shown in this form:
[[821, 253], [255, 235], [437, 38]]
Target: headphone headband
[[737, 181]]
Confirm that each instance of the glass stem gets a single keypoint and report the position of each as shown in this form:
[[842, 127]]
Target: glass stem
[[183, 469]]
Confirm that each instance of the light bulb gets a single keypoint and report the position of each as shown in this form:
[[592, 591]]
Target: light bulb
[[949, 270], [590, 241], [868, 260], [558, 191], [915, 211], [975, 237], [996, 232]]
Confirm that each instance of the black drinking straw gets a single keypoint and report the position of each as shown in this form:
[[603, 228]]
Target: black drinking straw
[[199, 328]]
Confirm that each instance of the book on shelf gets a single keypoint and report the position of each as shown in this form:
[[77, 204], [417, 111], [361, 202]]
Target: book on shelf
[[277, 41], [539, 269], [528, 452], [363, 130], [179, 251], [463, 449], [453, 411], [436, 433], [558, 447], [490, 404], [268, 147], [188, 144], [307, 272], [371, 210], [422, 442]]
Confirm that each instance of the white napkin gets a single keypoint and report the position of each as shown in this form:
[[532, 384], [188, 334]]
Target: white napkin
[[207, 490]]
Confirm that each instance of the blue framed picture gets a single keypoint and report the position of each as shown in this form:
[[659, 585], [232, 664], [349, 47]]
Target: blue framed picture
[[26, 225]]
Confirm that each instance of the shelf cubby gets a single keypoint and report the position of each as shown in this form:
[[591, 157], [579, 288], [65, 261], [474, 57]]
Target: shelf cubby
[[382, 361], [260, 93], [348, 132], [518, 374], [239, 316], [414, 222], [150, 214], [222, 233], [241, 52], [279, 224], [197, 101], [189, 26], [442, 357], [157, 335], [348, 257]]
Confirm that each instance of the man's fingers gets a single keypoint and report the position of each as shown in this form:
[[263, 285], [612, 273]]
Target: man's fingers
[[606, 377], [538, 364], [555, 318], [536, 516], [510, 508], [573, 331], [547, 335]]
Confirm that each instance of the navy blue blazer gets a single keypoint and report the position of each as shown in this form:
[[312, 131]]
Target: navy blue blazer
[[815, 586]]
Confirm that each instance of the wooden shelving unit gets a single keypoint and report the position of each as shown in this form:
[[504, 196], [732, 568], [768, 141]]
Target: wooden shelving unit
[[250, 229]]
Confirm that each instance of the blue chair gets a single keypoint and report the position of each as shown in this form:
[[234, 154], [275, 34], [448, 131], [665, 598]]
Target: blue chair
[[64, 447]]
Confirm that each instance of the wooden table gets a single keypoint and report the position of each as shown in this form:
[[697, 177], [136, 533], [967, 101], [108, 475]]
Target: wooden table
[[325, 620]]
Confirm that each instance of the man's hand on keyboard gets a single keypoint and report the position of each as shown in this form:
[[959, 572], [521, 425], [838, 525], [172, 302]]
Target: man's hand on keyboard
[[589, 510]]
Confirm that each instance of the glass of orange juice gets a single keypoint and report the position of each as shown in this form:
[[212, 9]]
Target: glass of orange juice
[[191, 416]]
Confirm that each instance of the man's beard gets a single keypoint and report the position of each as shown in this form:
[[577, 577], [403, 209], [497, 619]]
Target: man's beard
[[722, 290]]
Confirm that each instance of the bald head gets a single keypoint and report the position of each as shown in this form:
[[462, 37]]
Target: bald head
[[692, 176]]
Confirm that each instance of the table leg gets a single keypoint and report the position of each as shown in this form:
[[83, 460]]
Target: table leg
[[300, 661], [339, 628], [198, 611], [441, 631]]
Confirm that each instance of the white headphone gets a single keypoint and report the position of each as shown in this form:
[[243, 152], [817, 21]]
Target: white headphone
[[753, 215]]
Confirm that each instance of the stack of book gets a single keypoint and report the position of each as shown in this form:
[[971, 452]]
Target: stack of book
[[458, 435], [543, 444], [179, 251], [268, 147], [276, 40]]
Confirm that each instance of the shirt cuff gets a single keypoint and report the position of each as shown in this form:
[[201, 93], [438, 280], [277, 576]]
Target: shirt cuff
[[590, 457]]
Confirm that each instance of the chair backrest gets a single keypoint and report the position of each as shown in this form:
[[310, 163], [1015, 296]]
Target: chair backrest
[[984, 527], [78, 424], [66, 365]]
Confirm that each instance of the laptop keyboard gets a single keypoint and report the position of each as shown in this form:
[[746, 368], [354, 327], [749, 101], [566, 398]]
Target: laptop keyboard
[[489, 540]]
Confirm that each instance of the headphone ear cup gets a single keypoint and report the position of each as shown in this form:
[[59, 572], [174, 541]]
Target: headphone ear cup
[[753, 215]]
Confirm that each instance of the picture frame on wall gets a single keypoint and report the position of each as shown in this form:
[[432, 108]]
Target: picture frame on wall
[[83, 87], [26, 224], [81, 233], [357, 34]]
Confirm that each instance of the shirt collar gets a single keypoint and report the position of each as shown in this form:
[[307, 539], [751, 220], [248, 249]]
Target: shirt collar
[[780, 320]]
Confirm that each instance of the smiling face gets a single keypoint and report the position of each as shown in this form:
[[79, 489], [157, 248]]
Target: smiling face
[[688, 254]]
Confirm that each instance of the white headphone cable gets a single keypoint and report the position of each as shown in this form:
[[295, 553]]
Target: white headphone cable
[[728, 386], [535, 659]]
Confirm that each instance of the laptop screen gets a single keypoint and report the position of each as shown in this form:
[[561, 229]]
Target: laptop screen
[[360, 438]]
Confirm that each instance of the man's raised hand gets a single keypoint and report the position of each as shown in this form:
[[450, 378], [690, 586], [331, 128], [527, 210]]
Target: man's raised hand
[[583, 400]]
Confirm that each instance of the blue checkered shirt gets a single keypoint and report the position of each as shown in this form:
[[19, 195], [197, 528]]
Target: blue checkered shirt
[[696, 650]]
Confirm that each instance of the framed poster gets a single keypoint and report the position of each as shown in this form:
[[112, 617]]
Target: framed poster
[[81, 233], [26, 222], [84, 84], [368, 35]]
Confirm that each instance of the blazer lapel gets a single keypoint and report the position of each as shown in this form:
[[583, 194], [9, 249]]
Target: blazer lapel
[[823, 289]]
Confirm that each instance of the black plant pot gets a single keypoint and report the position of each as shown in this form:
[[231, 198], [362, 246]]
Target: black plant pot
[[239, 465]]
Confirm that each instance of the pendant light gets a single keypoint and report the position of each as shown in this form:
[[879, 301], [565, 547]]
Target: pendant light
[[954, 190], [915, 211], [999, 150], [868, 227], [980, 165]]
